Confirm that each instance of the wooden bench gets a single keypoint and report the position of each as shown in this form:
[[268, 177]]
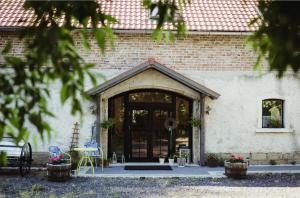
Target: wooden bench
[[17, 155]]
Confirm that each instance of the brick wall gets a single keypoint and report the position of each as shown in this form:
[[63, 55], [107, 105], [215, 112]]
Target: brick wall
[[197, 52]]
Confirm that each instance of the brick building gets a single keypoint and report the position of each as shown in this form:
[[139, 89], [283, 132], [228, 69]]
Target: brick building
[[208, 75]]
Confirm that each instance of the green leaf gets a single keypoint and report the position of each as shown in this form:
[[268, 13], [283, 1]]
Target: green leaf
[[64, 93], [100, 38], [146, 3], [85, 39], [3, 158], [7, 47], [157, 35]]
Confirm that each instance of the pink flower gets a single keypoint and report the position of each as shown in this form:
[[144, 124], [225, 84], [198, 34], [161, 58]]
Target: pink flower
[[240, 157], [52, 158]]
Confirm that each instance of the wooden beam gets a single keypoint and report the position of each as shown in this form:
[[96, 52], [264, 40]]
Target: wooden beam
[[98, 112], [202, 130]]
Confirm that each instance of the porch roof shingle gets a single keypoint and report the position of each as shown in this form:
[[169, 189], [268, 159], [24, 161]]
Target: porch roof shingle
[[152, 64], [200, 15]]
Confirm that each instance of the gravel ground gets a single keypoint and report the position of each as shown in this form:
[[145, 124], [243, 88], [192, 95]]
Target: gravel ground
[[276, 185]]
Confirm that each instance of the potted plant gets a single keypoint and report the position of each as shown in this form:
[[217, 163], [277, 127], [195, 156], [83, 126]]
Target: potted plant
[[195, 122], [212, 160], [171, 159], [187, 157], [161, 159], [108, 124], [106, 163], [59, 166], [182, 159], [222, 161], [236, 167]]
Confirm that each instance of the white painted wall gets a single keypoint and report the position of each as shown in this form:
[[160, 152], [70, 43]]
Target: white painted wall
[[231, 124], [235, 117]]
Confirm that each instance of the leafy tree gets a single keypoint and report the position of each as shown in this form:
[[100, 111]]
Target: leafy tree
[[278, 38], [50, 55]]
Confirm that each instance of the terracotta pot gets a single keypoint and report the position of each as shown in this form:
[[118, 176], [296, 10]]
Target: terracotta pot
[[236, 170], [58, 172]]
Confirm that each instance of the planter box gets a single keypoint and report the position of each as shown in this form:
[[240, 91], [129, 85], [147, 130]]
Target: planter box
[[181, 162], [58, 172], [161, 160], [236, 170], [171, 162], [211, 162]]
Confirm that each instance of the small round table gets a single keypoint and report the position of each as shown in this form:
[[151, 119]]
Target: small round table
[[85, 157]]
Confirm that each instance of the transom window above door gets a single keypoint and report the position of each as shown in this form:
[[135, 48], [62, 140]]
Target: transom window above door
[[150, 97], [272, 113]]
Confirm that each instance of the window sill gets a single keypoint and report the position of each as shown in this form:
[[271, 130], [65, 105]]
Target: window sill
[[274, 130]]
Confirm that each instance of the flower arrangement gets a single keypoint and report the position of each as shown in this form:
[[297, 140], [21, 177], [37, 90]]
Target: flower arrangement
[[56, 159], [236, 167], [236, 159]]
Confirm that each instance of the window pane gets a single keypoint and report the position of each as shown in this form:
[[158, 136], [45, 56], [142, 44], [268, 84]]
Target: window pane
[[272, 113], [139, 131], [182, 117], [149, 97], [160, 135], [117, 138]]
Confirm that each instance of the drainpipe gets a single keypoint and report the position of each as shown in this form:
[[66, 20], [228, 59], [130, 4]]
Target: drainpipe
[[202, 130], [98, 110]]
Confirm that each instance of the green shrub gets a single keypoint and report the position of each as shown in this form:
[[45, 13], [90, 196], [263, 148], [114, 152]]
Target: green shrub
[[293, 162], [273, 162], [37, 188], [3, 158], [222, 161]]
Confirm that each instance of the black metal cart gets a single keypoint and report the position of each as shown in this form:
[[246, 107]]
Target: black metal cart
[[17, 155]]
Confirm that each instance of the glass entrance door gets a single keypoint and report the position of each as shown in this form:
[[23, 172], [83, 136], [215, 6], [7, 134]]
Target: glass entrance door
[[149, 136], [139, 132], [160, 134]]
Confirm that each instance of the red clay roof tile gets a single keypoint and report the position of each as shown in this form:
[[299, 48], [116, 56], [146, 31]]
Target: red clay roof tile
[[200, 15]]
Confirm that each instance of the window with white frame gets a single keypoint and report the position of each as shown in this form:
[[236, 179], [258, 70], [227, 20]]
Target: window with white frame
[[272, 113]]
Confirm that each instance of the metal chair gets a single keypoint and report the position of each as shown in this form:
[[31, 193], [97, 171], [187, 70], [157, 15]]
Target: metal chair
[[94, 154]]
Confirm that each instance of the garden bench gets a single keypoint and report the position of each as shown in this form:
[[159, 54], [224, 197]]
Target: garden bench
[[17, 155]]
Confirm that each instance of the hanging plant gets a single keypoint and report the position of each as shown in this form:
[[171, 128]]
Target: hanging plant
[[108, 124], [207, 110], [93, 109], [195, 122]]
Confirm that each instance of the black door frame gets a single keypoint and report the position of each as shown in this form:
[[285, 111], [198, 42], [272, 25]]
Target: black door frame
[[150, 108], [129, 105]]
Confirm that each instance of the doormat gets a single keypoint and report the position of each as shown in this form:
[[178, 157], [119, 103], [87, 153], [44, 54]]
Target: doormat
[[147, 168]]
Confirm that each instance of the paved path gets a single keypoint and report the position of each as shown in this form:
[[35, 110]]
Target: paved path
[[190, 171]]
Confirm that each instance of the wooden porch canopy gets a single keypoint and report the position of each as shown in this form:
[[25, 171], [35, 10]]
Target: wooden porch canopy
[[152, 64]]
